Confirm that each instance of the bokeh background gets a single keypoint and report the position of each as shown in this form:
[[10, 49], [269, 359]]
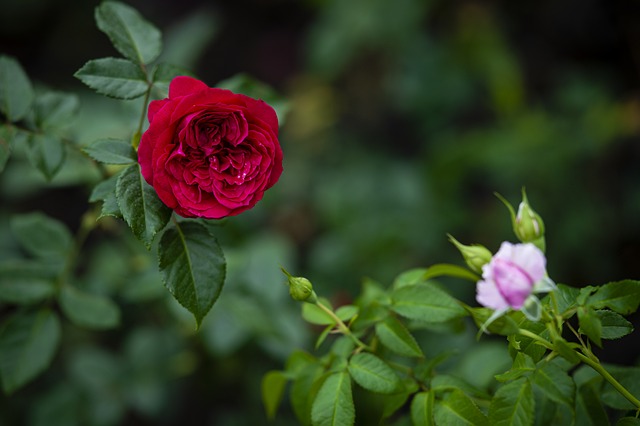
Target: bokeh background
[[402, 118]]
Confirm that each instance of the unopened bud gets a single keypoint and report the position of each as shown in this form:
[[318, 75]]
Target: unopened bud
[[300, 288], [476, 256], [528, 225]]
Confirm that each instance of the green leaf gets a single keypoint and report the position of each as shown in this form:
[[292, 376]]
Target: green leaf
[[394, 402], [446, 382], [409, 278], [112, 151], [447, 270], [529, 346], [130, 33], [28, 342], [54, 110], [308, 373], [105, 191], [333, 405], [346, 312], [16, 92], [584, 293], [614, 326], [629, 377], [10, 137], [622, 297], [140, 205], [41, 235], [512, 405], [590, 325], [566, 297], [589, 408], [372, 373], [456, 408], [628, 421], [31, 269], [522, 364], [25, 290], [114, 77], [323, 336], [193, 267], [565, 350], [47, 153], [89, 310], [314, 315], [555, 383], [298, 362], [372, 292], [369, 315], [422, 409], [395, 336], [425, 302], [273, 384]]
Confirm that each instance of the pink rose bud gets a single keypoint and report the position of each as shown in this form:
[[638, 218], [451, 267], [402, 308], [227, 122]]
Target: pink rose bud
[[210, 152], [514, 273]]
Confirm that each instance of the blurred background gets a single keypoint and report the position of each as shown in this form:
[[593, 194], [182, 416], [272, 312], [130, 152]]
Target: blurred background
[[400, 120]]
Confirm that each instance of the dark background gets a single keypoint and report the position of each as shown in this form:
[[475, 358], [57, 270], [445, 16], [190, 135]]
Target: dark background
[[404, 117]]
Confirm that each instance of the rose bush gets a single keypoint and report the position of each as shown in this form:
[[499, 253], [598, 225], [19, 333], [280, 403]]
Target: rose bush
[[210, 152]]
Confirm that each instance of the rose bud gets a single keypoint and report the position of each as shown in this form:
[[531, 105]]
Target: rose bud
[[528, 225], [209, 152], [300, 288], [475, 255]]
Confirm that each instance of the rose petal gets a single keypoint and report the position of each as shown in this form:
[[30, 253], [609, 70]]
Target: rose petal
[[154, 107], [489, 296], [184, 85], [512, 282]]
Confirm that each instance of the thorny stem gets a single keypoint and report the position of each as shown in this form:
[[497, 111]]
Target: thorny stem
[[342, 327]]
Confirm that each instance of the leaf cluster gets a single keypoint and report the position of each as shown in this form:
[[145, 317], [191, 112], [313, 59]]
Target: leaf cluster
[[140, 44], [35, 120], [44, 284], [391, 364], [383, 354]]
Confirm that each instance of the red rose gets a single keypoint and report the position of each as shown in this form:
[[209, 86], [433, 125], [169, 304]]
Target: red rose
[[210, 152]]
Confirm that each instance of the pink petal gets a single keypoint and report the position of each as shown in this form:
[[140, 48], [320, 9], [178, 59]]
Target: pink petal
[[489, 296]]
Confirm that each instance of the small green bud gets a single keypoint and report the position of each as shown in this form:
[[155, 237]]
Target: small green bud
[[300, 288], [528, 225], [476, 256]]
